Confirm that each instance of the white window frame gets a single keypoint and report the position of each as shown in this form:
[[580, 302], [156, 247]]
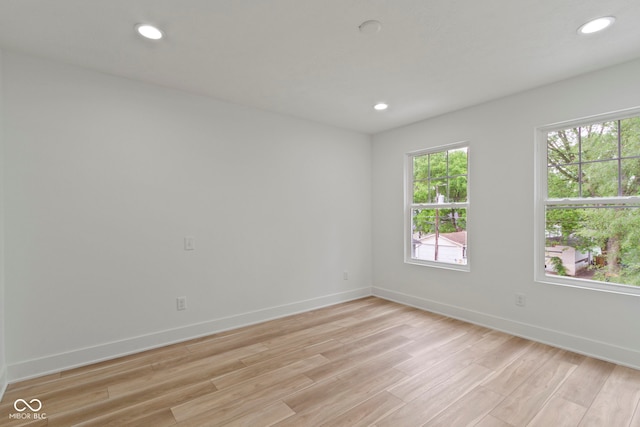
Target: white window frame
[[542, 201], [409, 206]]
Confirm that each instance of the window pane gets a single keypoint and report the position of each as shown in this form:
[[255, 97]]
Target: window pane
[[600, 179], [599, 141], [458, 163], [630, 136], [631, 177], [420, 192], [439, 191], [438, 164], [598, 242], [458, 189], [420, 167], [562, 181], [562, 147], [439, 235]]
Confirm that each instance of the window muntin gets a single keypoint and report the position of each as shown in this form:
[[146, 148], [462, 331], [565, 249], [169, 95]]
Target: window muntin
[[589, 204], [437, 207]]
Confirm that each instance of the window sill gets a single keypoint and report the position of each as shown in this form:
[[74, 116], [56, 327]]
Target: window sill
[[592, 285], [441, 265]]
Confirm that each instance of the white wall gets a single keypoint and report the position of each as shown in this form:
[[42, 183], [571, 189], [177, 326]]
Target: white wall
[[3, 362], [104, 178], [501, 138]]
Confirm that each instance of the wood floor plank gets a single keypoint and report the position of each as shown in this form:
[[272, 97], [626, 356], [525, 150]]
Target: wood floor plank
[[489, 342], [365, 413], [151, 399], [416, 385], [459, 350], [7, 422], [69, 393], [376, 372], [17, 387], [74, 385], [276, 352], [173, 378], [558, 412], [370, 325], [230, 343], [349, 356], [222, 400], [616, 403], [586, 381], [506, 380], [305, 336], [160, 418], [523, 404], [469, 409], [120, 411], [436, 399], [635, 421], [433, 339], [214, 355], [191, 372], [503, 354], [221, 412], [272, 363], [127, 363], [367, 362], [263, 416], [341, 393], [60, 402], [491, 421]]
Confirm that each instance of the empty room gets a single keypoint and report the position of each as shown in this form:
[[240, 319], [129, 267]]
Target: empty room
[[320, 213]]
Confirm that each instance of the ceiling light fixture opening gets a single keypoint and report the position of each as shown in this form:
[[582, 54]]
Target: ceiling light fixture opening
[[596, 25], [380, 106], [149, 31], [370, 27]]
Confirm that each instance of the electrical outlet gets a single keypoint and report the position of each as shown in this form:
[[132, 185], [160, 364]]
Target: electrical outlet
[[521, 300], [345, 275], [181, 303], [189, 243]]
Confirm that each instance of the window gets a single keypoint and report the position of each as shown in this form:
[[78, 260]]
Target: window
[[437, 207], [588, 225]]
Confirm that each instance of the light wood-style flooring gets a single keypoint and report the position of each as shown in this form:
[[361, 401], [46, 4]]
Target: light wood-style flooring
[[362, 363]]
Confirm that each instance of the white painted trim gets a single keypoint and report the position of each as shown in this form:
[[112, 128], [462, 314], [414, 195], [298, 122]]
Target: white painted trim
[[3, 381], [540, 189], [541, 201], [409, 205], [85, 356], [588, 347], [605, 117]]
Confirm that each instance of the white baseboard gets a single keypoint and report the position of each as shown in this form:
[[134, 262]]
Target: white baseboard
[[586, 346], [85, 356], [3, 381]]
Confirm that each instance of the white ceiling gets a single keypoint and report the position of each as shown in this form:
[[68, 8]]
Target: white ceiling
[[306, 58]]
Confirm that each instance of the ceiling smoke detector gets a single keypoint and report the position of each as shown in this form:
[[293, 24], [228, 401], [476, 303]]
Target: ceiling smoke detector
[[370, 27]]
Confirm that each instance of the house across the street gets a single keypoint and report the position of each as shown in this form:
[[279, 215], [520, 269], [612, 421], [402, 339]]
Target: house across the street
[[452, 247]]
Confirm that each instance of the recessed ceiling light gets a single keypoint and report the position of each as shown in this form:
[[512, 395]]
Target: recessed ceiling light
[[596, 25], [380, 106], [370, 27], [149, 31]]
